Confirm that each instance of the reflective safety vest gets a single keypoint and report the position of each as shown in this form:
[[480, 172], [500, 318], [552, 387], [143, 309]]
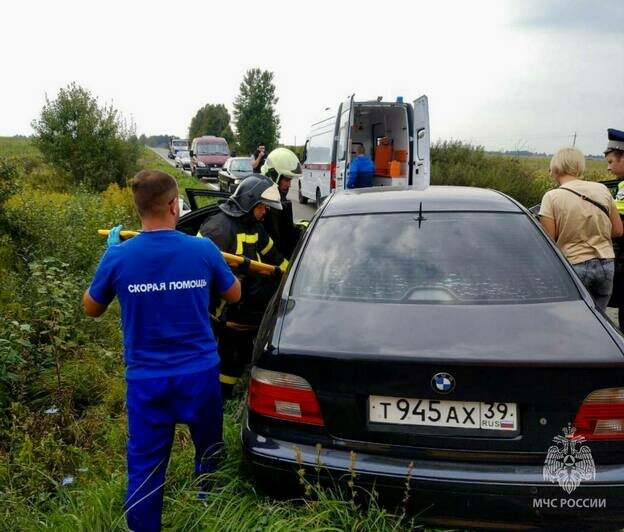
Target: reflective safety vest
[[619, 198], [247, 238]]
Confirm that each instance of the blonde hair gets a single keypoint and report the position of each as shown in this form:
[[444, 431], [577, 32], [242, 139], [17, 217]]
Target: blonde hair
[[568, 161]]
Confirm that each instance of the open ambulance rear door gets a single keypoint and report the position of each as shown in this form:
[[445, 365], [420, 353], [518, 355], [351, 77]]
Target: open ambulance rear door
[[343, 150], [420, 163]]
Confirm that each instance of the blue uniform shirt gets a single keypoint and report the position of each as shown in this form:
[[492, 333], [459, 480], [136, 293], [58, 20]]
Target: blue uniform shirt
[[361, 172], [163, 281]]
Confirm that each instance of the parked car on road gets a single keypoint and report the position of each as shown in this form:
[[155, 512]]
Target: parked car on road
[[176, 145], [441, 337], [208, 154], [183, 160], [233, 172]]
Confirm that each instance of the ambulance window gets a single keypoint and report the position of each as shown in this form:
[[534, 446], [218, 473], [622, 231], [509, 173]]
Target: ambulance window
[[319, 147], [342, 142]]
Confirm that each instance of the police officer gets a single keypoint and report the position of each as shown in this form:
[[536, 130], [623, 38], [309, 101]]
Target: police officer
[[282, 165], [615, 160], [238, 230]]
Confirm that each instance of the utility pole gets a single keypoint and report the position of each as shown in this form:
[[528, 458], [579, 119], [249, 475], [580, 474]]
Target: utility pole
[[574, 139]]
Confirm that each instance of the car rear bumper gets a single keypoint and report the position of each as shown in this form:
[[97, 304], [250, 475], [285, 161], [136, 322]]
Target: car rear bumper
[[447, 493]]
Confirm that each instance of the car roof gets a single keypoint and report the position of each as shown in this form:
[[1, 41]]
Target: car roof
[[408, 199]]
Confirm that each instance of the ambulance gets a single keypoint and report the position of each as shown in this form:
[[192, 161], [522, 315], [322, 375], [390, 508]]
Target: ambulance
[[394, 134]]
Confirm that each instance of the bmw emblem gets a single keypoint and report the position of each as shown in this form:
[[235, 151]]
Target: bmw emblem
[[443, 382]]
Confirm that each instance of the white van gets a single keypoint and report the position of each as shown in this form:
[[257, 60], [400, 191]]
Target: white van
[[394, 134]]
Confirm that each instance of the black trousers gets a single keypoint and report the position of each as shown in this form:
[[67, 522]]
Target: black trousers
[[235, 350]]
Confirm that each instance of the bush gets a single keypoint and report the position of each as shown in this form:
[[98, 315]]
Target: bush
[[92, 144], [64, 225], [456, 163]]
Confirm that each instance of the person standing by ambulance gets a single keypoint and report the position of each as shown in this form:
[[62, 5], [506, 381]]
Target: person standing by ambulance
[[362, 170], [615, 164], [238, 230], [163, 280]]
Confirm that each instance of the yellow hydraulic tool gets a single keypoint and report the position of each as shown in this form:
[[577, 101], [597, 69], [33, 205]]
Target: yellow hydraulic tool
[[232, 260]]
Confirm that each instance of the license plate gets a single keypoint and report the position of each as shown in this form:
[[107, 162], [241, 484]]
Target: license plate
[[434, 413]]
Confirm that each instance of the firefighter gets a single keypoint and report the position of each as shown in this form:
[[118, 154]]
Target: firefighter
[[238, 230], [282, 165], [615, 160]]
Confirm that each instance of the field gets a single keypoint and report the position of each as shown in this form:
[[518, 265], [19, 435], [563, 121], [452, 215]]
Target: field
[[595, 169], [62, 414]]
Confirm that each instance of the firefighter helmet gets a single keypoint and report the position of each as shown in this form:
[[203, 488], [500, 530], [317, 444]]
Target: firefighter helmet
[[253, 189], [281, 162]]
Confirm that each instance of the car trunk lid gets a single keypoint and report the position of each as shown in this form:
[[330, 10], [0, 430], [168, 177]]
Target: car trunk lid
[[530, 356]]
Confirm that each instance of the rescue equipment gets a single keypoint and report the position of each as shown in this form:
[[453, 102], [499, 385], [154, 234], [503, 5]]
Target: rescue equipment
[[232, 260]]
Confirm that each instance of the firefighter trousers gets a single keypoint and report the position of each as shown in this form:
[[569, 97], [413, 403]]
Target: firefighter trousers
[[235, 350]]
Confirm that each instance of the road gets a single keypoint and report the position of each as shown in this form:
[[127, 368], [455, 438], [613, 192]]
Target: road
[[300, 212]]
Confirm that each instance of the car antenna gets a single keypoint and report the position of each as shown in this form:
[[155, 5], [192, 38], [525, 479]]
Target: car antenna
[[420, 218]]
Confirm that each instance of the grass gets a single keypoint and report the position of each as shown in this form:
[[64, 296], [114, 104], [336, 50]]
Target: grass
[[595, 169], [93, 502], [17, 146]]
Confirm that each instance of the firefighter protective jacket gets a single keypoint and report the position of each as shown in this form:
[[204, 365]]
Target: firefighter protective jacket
[[248, 238]]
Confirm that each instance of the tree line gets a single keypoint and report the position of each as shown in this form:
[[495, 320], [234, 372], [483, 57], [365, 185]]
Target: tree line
[[92, 144]]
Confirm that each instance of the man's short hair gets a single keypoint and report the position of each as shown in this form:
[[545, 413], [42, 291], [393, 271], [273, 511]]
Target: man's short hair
[[260, 144], [153, 191], [568, 161], [359, 149]]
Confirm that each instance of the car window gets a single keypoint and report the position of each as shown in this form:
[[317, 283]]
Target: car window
[[212, 149], [453, 258], [241, 165]]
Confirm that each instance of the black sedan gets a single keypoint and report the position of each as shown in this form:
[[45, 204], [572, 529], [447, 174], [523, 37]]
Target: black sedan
[[439, 339], [233, 172]]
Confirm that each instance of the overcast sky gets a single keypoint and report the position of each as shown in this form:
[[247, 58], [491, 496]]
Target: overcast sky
[[508, 74]]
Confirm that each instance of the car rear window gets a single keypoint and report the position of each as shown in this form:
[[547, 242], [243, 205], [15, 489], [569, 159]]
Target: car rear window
[[241, 165], [452, 258]]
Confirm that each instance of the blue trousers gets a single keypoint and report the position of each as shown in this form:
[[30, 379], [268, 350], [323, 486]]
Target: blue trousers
[[154, 407]]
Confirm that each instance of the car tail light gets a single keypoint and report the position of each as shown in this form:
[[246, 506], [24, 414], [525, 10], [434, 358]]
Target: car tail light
[[332, 176], [601, 415], [283, 396]]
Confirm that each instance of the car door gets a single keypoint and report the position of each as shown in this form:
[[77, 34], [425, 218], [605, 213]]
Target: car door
[[224, 176], [420, 164], [203, 203], [343, 151]]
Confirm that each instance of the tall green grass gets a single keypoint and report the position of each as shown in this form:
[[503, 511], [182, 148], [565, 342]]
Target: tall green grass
[[19, 146]]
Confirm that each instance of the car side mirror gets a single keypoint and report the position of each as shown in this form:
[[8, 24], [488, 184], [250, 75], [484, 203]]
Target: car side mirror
[[191, 153]]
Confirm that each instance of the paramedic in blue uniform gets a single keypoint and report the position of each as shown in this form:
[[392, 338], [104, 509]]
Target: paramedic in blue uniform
[[361, 171], [163, 279]]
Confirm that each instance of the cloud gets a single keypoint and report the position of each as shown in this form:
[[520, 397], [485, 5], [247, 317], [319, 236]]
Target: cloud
[[606, 16]]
